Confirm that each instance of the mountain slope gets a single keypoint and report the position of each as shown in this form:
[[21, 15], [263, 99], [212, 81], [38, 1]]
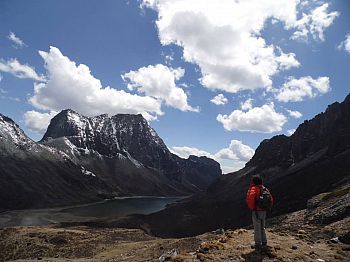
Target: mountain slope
[[126, 152], [34, 175], [315, 159], [84, 159]]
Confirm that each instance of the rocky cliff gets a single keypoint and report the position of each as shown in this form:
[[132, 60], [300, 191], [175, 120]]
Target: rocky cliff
[[33, 175], [82, 159], [127, 152], [315, 159]]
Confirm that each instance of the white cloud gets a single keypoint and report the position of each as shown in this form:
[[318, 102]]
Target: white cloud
[[294, 114], [287, 61], [218, 100], [314, 23], [185, 151], [247, 105], [295, 90], [38, 122], [159, 81], [231, 158], [15, 68], [345, 44], [236, 151], [18, 43], [73, 86], [224, 39], [291, 132], [262, 119]]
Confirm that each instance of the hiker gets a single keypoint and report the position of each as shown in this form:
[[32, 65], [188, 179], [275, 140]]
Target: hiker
[[259, 200]]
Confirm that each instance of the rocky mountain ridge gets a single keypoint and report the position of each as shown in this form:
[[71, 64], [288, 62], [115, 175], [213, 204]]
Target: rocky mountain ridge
[[127, 138], [315, 159], [34, 175], [117, 156]]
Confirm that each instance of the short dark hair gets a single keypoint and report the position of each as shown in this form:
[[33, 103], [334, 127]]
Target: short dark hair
[[257, 180]]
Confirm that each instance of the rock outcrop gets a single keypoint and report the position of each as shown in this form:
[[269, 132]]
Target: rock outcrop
[[142, 163], [315, 159]]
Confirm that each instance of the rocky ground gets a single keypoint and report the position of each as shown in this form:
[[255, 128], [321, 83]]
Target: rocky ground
[[308, 243], [319, 233]]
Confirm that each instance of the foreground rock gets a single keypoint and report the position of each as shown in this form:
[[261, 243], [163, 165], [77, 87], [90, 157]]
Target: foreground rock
[[319, 233], [87, 244]]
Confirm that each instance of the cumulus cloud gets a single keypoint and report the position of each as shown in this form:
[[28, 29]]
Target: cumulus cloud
[[159, 81], [236, 151], [294, 114], [218, 100], [262, 119], [17, 42], [314, 23], [247, 105], [224, 39], [185, 151], [73, 86], [38, 122], [295, 90], [287, 61], [345, 44], [231, 158], [19, 70]]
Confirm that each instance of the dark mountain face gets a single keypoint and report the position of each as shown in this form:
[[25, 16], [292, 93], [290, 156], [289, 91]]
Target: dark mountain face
[[108, 136], [33, 175], [315, 159], [83, 159], [136, 150], [121, 134]]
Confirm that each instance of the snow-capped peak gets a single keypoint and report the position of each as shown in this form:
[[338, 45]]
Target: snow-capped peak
[[11, 131]]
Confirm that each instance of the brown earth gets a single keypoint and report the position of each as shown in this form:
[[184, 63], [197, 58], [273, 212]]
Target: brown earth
[[321, 232], [291, 242]]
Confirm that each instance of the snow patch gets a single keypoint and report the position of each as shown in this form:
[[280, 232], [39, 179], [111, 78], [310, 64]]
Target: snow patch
[[87, 172], [12, 132]]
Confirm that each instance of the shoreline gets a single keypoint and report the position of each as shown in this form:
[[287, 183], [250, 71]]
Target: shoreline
[[91, 203]]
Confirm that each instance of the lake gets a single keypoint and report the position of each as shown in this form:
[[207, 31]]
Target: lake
[[107, 209]]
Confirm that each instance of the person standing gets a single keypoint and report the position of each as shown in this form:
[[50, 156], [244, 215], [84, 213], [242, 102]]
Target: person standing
[[259, 201]]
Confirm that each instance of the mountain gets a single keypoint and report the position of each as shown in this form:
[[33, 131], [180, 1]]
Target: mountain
[[33, 175], [127, 153], [315, 159], [82, 159]]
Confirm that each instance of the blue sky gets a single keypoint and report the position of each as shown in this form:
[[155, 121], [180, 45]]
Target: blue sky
[[270, 64]]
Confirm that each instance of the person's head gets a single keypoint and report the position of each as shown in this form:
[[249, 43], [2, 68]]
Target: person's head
[[256, 180]]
